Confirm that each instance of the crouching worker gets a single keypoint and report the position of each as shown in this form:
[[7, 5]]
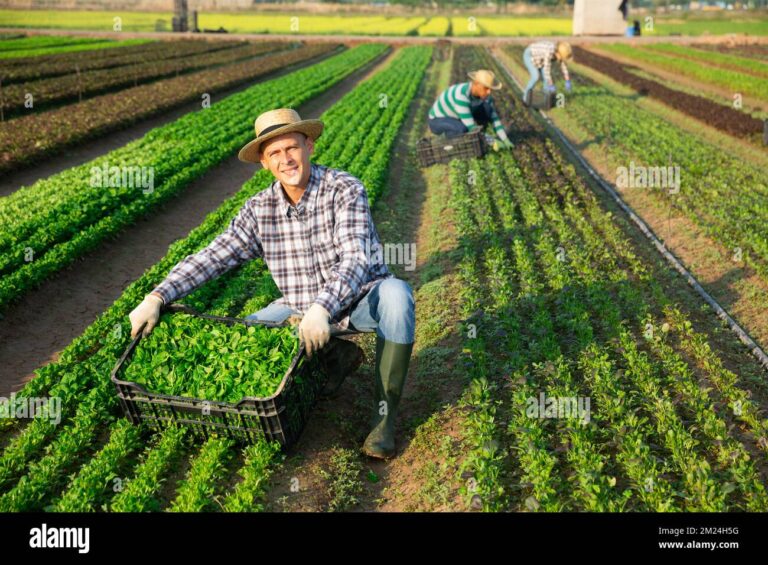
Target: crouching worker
[[313, 228], [538, 58], [464, 107]]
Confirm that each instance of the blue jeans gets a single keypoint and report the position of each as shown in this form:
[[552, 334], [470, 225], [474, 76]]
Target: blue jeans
[[532, 70], [452, 127], [387, 309], [482, 110]]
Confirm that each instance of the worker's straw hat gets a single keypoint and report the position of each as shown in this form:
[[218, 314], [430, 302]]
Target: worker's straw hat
[[486, 78], [278, 122], [564, 50]]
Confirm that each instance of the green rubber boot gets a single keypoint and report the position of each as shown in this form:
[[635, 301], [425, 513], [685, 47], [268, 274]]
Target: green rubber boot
[[392, 361]]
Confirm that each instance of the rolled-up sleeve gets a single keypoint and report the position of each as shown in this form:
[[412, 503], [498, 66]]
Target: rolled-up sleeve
[[498, 126], [239, 243], [352, 239]]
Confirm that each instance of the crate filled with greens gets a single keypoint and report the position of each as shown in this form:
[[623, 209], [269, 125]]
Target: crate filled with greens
[[237, 377]]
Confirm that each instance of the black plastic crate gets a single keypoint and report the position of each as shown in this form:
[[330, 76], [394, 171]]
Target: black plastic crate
[[542, 100], [432, 150], [280, 417]]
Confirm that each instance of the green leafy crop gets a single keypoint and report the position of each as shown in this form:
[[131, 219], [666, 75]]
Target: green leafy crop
[[190, 356]]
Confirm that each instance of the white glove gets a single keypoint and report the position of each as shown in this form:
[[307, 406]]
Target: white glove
[[314, 329], [505, 142], [148, 312]]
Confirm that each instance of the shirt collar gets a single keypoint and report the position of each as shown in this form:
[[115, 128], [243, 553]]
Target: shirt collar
[[285, 204]]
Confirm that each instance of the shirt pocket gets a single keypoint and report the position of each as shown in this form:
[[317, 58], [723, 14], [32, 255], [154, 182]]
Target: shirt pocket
[[321, 236], [325, 250]]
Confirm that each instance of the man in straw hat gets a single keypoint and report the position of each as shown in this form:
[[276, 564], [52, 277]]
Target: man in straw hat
[[538, 59], [313, 228], [466, 106]]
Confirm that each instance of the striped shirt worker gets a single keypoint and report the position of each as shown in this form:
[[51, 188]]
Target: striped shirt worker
[[455, 102]]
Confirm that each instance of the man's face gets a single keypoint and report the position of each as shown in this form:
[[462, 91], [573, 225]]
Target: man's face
[[287, 157], [480, 90]]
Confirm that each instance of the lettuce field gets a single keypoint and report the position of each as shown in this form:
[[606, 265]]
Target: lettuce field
[[590, 302]]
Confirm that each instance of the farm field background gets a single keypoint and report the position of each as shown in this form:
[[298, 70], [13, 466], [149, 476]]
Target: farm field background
[[531, 283], [298, 22]]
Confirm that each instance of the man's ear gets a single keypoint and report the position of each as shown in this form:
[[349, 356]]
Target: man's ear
[[262, 159], [310, 143]]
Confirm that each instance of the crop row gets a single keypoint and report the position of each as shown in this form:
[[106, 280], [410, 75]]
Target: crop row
[[74, 86], [560, 310], [721, 60], [732, 80], [437, 26], [36, 46], [62, 217], [43, 41], [722, 193], [30, 138], [46, 66], [721, 116]]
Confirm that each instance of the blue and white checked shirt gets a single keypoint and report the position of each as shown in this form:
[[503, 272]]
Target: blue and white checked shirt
[[542, 55], [325, 250]]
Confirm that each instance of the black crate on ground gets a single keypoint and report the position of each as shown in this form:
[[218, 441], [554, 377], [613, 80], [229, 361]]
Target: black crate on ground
[[542, 100], [432, 150], [279, 417]]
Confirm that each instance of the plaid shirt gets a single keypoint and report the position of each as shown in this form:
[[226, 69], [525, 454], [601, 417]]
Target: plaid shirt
[[324, 250], [542, 55]]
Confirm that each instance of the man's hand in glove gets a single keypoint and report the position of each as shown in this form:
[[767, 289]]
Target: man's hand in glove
[[568, 86], [145, 314], [314, 329], [294, 320], [551, 88]]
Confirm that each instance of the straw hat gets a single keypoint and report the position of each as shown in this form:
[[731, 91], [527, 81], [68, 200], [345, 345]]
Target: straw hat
[[565, 51], [486, 78], [278, 122]]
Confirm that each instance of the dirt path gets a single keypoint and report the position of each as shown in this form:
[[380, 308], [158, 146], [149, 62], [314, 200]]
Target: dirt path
[[35, 329], [89, 150]]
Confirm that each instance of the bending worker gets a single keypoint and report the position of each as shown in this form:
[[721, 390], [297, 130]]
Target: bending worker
[[313, 228], [538, 59], [463, 107]]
